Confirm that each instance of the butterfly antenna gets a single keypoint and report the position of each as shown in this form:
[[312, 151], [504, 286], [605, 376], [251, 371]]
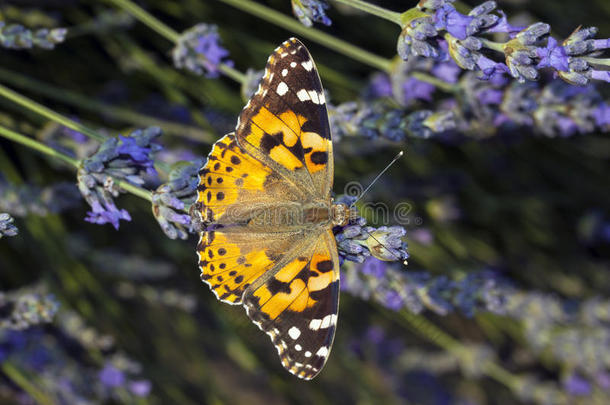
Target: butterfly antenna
[[398, 156], [377, 178]]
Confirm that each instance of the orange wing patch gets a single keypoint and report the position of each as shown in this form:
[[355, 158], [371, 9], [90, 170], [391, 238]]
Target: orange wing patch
[[230, 267], [227, 175]]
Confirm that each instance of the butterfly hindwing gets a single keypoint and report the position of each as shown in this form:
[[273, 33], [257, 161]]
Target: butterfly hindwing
[[232, 258], [298, 306], [286, 121]]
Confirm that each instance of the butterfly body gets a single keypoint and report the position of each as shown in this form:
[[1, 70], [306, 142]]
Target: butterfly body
[[264, 202]]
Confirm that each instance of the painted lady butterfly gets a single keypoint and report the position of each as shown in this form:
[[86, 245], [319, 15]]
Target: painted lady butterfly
[[264, 200]]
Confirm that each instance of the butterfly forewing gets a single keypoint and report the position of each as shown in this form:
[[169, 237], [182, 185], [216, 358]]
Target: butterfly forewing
[[287, 121], [256, 250]]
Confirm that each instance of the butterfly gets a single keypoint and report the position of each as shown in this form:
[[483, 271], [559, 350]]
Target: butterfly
[[264, 201]]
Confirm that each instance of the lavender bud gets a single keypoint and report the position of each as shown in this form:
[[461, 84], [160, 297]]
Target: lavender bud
[[6, 225], [199, 50]]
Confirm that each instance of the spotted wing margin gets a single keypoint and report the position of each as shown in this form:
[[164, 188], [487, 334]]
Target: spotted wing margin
[[298, 306], [235, 257], [285, 124]]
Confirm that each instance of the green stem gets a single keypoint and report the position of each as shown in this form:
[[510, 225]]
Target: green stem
[[373, 9], [48, 113], [597, 61], [329, 41], [77, 100], [443, 85], [40, 147], [26, 384], [496, 46], [167, 32], [146, 18]]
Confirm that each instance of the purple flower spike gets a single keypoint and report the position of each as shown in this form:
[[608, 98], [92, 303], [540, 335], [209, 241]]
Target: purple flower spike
[[111, 376], [124, 158], [170, 200], [308, 11], [199, 50]]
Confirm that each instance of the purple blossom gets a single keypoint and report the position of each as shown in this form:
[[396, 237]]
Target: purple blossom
[[577, 386], [393, 300], [416, 89], [199, 51], [447, 71], [108, 213], [455, 23], [490, 68], [374, 267], [140, 388], [111, 376], [602, 115], [380, 86], [553, 55]]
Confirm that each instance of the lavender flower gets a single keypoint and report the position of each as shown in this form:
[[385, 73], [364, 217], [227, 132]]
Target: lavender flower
[[25, 308], [199, 51], [381, 120], [397, 289], [111, 376], [162, 297], [140, 388], [6, 225], [22, 200], [58, 356], [577, 386], [356, 241], [170, 200], [581, 49], [16, 36], [435, 29], [123, 158], [308, 11]]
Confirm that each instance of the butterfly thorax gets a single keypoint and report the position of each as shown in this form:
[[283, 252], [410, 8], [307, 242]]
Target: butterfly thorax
[[299, 215]]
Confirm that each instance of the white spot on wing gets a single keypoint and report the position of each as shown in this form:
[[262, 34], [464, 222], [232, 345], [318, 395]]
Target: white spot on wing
[[308, 354], [315, 324], [323, 352], [307, 65], [321, 97], [313, 95], [294, 332], [284, 72], [282, 88], [326, 322], [293, 64], [298, 347], [303, 95]]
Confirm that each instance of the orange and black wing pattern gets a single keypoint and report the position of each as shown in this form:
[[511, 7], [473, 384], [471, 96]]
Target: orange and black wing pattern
[[280, 156], [286, 121]]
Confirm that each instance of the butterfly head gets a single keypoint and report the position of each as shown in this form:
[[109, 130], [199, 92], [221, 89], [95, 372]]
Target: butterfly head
[[343, 214]]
